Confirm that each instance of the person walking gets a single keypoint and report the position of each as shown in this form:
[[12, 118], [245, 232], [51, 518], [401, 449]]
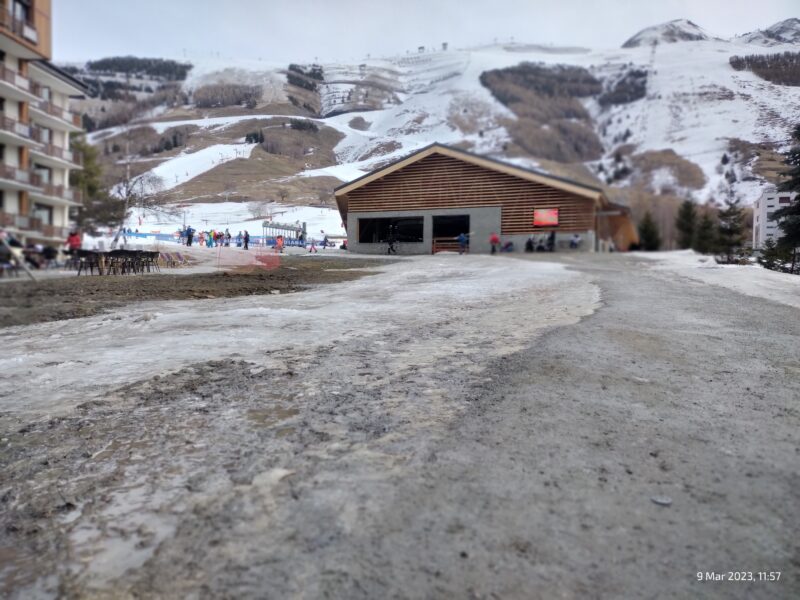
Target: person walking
[[279, 244], [239, 240], [463, 241], [74, 242], [227, 238], [313, 246], [246, 240], [189, 235], [325, 242], [494, 242]]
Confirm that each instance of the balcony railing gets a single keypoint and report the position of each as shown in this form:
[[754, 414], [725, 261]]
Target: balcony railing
[[61, 191], [56, 111], [14, 126], [14, 78], [20, 176], [26, 223], [58, 152], [18, 27]]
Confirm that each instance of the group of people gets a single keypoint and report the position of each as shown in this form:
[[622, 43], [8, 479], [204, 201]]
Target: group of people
[[213, 238], [14, 254], [542, 243]]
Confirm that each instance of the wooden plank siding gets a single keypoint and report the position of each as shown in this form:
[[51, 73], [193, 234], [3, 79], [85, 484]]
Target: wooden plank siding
[[443, 182]]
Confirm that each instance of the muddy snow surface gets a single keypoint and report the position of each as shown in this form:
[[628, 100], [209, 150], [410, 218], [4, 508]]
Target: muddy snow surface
[[568, 426], [237, 447]]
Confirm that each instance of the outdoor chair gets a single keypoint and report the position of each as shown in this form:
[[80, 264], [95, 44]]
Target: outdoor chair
[[88, 260]]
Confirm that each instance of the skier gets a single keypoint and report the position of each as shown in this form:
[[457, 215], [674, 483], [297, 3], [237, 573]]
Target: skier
[[246, 240], [189, 235], [239, 240], [313, 246]]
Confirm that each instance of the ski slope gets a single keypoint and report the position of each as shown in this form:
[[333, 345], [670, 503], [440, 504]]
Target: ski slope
[[695, 104]]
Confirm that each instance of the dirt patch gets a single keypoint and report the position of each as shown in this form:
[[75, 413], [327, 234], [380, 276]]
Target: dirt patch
[[685, 173], [359, 123], [26, 302]]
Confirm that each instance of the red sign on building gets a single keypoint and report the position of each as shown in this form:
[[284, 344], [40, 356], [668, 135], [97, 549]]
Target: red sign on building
[[545, 217]]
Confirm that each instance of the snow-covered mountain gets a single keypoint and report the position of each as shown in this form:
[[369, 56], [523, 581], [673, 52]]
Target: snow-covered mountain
[[665, 113], [679, 30], [784, 32]]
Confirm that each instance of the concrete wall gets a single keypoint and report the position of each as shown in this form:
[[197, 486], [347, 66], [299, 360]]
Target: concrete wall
[[483, 221]]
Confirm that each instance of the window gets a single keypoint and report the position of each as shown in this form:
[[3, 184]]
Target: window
[[44, 173], [376, 231], [770, 216], [22, 10], [44, 213], [2, 201], [784, 200]]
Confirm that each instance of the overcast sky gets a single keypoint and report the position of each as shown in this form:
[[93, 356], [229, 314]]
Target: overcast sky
[[301, 30]]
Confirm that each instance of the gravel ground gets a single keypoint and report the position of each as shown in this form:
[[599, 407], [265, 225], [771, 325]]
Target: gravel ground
[[509, 448]]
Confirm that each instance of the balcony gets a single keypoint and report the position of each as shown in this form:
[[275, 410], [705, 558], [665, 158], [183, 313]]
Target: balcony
[[19, 179], [33, 227], [14, 86], [62, 194], [54, 116], [23, 29], [14, 132], [56, 156]]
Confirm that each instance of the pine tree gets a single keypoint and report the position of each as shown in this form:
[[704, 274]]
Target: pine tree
[[98, 209], [705, 239], [792, 160], [788, 217], [685, 223], [649, 237], [772, 256], [730, 230]]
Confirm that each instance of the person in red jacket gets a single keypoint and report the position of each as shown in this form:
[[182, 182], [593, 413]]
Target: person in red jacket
[[74, 242], [494, 240]]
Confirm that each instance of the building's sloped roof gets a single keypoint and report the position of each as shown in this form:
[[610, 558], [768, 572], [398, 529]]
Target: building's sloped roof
[[562, 183], [79, 86]]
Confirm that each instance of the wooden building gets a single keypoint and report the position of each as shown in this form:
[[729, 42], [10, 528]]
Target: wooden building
[[429, 197]]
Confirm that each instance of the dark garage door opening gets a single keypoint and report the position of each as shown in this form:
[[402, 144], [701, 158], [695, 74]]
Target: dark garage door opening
[[446, 228], [377, 231], [450, 226]]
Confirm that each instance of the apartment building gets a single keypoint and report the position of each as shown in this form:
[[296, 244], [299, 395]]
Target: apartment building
[[35, 127], [764, 226]]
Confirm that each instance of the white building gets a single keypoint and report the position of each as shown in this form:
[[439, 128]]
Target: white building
[[35, 125], [764, 226]]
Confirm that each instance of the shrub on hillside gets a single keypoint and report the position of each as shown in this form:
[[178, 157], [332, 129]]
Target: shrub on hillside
[[303, 125], [630, 87], [782, 68], [301, 82], [134, 66], [226, 94], [547, 80]]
